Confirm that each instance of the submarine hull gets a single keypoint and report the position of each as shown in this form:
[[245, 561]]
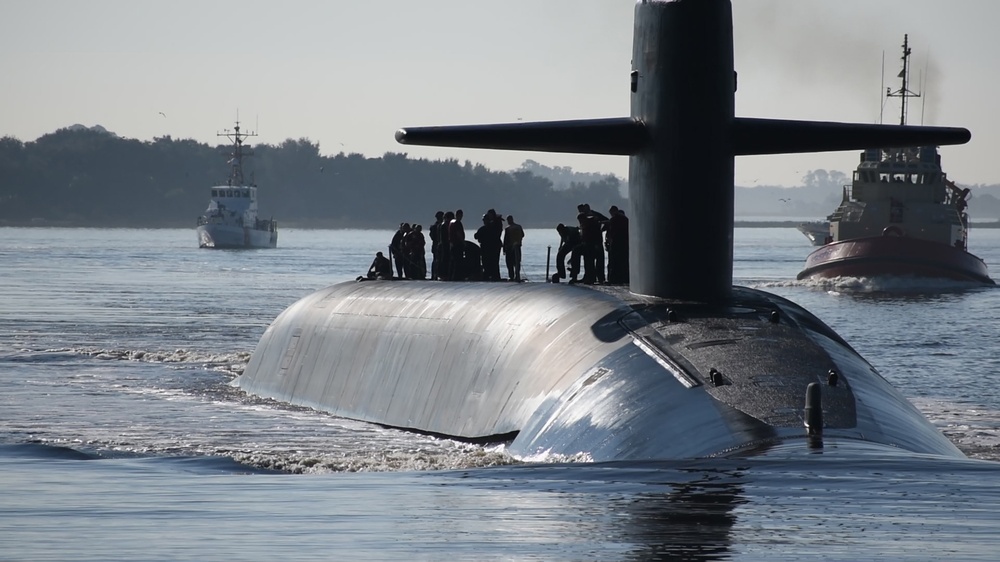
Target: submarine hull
[[680, 365], [575, 371]]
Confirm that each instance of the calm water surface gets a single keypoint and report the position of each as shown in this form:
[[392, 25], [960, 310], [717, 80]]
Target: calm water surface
[[121, 438]]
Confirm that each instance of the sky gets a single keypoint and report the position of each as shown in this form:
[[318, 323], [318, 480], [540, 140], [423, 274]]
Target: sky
[[347, 73]]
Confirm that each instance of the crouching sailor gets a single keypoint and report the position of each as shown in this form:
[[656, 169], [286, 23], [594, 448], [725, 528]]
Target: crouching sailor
[[381, 268]]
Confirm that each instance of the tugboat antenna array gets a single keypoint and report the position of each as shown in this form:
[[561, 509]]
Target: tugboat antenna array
[[904, 92]]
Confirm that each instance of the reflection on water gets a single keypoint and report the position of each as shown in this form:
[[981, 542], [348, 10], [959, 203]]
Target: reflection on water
[[693, 522], [196, 508]]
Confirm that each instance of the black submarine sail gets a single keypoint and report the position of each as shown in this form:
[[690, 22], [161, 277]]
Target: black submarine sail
[[681, 365]]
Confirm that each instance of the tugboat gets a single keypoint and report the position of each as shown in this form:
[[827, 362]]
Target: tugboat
[[231, 218], [901, 215]]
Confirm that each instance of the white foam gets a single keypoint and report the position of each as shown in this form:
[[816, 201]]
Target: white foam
[[882, 284], [973, 428], [230, 362], [456, 457]]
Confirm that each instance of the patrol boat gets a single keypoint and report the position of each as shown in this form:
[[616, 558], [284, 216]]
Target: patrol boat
[[231, 218], [901, 215], [818, 232]]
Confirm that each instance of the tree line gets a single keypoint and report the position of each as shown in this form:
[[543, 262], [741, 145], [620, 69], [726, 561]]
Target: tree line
[[88, 177]]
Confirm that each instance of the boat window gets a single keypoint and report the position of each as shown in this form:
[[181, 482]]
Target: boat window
[[215, 193], [246, 193]]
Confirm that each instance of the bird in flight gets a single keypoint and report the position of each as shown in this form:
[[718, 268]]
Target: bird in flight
[[163, 114]]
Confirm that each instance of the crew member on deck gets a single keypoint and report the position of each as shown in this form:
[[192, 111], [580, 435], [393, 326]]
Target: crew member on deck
[[569, 245], [434, 231], [616, 242], [592, 247], [513, 234], [396, 249], [489, 236], [414, 244], [381, 267], [444, 247], [456, 239]]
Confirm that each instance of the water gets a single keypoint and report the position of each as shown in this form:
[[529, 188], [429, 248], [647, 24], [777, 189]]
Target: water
[[121, 439]]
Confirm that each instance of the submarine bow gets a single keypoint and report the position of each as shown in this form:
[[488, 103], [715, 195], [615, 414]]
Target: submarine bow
[[681, 364]]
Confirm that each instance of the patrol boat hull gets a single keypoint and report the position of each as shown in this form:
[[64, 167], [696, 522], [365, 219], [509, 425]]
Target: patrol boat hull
[[894, 255], [224, 236]]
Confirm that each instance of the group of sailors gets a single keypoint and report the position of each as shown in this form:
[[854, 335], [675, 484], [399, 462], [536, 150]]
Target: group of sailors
[[587, 242], [455, 258]]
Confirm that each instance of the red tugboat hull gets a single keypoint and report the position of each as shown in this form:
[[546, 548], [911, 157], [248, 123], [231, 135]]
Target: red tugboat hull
[[894, 255]]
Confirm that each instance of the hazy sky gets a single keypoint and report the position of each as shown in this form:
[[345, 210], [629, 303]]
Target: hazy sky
[[347, 74]]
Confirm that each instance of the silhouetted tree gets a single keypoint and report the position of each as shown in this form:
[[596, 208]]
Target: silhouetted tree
[[90, 177]]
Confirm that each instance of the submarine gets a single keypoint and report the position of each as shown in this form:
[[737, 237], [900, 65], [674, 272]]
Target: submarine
[[679, 364]]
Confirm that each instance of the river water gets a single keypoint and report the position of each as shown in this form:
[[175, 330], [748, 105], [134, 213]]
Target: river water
[[121, 438]]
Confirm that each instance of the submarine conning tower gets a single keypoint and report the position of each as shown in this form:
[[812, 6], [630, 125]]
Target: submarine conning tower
[[682, 137]]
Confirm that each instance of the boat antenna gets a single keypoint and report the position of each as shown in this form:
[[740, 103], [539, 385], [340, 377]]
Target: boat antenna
[[236, 158], [903, 92], [881, 86], [923, 88]]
